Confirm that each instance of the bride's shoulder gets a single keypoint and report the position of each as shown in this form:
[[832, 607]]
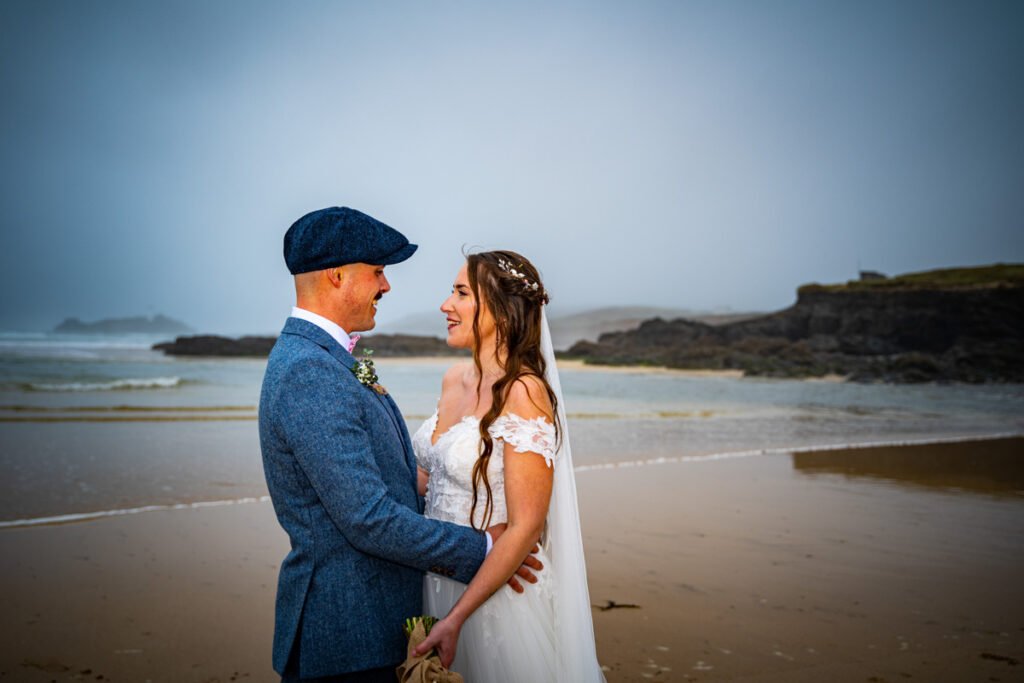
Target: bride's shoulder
[[456, 375], [528, 399]]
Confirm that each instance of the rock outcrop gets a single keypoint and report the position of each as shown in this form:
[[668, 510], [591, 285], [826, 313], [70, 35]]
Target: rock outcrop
[[213, 345], [383, 345], [957, 325]]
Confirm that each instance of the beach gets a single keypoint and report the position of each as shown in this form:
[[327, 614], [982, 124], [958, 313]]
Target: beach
[[755, 568], [743, 529]]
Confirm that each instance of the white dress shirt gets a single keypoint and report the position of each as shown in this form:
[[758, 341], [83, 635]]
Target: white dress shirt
[[329, 326]]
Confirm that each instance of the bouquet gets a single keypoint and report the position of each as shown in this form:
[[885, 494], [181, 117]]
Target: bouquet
[[424, 668]]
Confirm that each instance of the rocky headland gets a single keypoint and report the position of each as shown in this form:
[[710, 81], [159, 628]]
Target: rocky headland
[[383, 345], [962, 324]]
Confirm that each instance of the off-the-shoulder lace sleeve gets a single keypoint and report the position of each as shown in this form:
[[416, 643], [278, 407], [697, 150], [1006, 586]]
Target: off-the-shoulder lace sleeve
[[526, 436]]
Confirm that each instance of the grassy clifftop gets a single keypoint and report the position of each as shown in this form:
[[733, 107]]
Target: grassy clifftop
[[1000, 274]]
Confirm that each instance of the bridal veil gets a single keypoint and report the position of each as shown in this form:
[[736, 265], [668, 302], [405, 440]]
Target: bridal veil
[[574, 625]]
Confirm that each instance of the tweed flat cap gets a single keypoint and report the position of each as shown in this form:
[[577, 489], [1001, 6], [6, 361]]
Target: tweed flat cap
[[339, 235]]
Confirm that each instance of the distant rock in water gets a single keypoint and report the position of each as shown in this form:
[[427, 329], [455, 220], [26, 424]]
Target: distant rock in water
[[212, 345], [383, 345], [140, 324], [962, 324]]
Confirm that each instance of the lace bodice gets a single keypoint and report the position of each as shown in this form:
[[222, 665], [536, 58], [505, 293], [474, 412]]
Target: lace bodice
[[450, 463]]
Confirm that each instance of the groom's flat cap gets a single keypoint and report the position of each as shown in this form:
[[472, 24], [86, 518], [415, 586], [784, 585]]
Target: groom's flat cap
[[339, 235]]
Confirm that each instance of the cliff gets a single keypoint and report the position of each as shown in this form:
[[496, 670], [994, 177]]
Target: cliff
[[964, 324]]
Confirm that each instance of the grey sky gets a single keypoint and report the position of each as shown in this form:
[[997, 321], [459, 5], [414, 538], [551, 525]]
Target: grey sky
[[699, 155]]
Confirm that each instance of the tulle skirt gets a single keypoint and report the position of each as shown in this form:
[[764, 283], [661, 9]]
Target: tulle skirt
[[510, 638]]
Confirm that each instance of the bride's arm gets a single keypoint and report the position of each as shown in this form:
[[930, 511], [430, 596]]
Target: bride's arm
[[528, 482]]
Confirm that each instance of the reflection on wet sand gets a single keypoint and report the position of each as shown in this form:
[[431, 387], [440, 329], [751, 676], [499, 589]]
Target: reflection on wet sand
[[994, 467]]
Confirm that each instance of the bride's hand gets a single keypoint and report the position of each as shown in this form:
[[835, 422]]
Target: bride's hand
[[445, 637]]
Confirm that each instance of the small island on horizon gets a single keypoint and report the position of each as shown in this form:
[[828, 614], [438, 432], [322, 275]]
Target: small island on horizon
[[140, 324]]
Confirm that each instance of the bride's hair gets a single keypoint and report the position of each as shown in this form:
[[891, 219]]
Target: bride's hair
[[510, 287]]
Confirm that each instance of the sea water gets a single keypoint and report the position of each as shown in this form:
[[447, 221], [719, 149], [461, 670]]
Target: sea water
[[93, 424]]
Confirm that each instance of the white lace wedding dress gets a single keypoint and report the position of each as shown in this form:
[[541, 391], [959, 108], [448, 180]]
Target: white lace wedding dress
[[511, 637], [546, 633]]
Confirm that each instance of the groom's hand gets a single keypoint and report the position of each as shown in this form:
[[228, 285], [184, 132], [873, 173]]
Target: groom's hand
[[530, 564]]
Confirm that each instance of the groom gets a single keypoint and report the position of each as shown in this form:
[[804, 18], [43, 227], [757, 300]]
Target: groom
[[340, 467]]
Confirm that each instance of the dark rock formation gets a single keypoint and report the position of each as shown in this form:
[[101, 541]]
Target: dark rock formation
[[159, 324], [383, 345], [212, 345], [407, 345], [907, 329]]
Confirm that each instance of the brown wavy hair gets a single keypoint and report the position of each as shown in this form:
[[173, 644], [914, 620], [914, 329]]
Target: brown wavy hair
[[515, 301]]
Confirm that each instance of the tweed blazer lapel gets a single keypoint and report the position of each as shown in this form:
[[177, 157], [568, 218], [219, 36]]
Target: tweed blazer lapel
[[315, 334], [396, 415]]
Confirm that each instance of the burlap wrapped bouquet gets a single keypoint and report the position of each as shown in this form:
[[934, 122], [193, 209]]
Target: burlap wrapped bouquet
[[425, 668]]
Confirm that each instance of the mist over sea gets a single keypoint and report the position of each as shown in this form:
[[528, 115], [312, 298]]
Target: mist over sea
[[98, 424]]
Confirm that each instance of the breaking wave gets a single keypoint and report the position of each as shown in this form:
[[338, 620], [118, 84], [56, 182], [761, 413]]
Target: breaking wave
[[113, 385]]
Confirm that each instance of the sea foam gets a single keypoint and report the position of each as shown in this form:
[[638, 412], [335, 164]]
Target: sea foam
[[114, 385]]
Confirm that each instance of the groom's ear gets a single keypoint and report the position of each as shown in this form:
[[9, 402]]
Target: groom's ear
[[335, 276]]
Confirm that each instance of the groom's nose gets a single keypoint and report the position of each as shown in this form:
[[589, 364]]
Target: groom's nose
[[385, 286]]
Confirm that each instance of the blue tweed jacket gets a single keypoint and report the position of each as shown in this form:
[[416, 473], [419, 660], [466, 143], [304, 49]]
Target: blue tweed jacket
[[342, 476]]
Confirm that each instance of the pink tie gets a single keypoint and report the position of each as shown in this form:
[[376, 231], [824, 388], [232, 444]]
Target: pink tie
[[352, 342]]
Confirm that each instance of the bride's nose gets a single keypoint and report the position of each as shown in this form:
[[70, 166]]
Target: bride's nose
[[446, 307]]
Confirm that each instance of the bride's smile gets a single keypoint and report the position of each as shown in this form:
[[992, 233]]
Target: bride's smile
[[460, 308]]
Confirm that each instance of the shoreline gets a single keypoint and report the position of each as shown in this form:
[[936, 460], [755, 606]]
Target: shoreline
[[582, 366], [565, 364], [89, 516]]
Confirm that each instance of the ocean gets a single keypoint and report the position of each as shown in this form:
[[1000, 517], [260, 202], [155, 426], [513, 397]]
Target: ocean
[[93, 426]]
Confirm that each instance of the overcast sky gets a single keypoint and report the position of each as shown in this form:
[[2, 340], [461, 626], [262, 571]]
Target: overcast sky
[[697, 155]]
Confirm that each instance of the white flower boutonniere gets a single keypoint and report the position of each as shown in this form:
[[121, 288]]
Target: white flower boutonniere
[[366, 373]]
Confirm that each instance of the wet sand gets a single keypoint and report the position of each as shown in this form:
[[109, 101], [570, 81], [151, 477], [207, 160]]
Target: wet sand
[[765, 568], [762, 569]]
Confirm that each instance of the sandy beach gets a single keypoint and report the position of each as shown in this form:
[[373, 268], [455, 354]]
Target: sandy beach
[[767, 568]]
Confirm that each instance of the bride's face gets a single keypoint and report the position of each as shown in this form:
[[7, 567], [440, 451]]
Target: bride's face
[[459, 309]]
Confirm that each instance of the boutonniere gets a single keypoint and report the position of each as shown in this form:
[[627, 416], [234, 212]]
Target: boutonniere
[[366, 373]]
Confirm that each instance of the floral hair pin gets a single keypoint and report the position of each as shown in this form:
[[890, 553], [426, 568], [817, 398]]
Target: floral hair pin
[[530, 285]]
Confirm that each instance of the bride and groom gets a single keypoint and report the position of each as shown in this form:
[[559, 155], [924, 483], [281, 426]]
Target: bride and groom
[[384, 527]]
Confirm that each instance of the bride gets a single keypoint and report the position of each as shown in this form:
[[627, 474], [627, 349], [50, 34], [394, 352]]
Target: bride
[[496, 450]]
